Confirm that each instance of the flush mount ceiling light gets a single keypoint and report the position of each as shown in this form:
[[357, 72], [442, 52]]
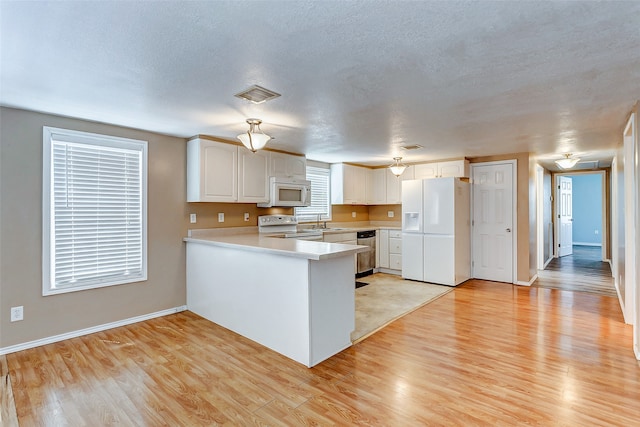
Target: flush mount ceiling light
[[257, 94], [397, 168], [254, 139], [568, 162]]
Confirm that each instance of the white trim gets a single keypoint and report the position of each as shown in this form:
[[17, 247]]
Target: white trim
[[91, 330], [389, 271], [529, 283], [540, 215], [603, 215], [514, 213], [587, 244], [547, 262]]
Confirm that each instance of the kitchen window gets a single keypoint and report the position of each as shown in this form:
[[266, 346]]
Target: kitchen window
[[94, 211], [320, 197]]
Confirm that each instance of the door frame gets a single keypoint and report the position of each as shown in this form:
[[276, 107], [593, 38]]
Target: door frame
[[556, 211], [514, 214]]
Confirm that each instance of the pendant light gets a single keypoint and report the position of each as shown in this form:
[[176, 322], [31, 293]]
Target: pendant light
[[568, 162], [254, 139], [397, 168]]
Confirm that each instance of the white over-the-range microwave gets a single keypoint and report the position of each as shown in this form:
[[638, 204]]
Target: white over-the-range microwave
[[288, 192]]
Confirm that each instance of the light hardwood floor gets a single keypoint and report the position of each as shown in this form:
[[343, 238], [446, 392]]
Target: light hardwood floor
[[485, 354], [583, 271]]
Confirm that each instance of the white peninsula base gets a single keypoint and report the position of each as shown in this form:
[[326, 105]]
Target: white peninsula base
[[302, 308]]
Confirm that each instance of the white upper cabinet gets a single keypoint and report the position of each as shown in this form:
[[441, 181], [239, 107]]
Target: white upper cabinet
[[212, 170], [219, 172], [287, 165], [377, 187], [455, 168], [253, 176], [348, 184], [394, 185]]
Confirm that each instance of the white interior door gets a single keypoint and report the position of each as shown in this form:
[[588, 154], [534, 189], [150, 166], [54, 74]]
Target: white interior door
[[565, 214], [493, 222]]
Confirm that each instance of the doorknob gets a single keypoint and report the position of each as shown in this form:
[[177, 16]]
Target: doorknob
[[508, 230]]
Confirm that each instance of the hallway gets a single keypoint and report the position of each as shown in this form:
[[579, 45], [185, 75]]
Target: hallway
[[584, 271]]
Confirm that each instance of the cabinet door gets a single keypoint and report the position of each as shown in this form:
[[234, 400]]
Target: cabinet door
[[211, 171], [378, 187], [394, 185], [287, 165], [383, 249], [455, 168], [253, 181], [426, 170], [296, 166]]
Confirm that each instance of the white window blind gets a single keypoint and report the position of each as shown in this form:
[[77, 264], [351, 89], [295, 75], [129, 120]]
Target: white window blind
[[94, 219], [320, 197]]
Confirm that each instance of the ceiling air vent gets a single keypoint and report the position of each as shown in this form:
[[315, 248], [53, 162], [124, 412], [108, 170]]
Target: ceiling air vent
[[257, 94], [411, 147], [589, 164]]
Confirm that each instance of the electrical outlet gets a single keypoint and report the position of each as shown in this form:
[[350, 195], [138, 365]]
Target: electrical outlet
[[390, 214], [192, 218], [17, 313], [353, 214], [221, 217], [246, 216]]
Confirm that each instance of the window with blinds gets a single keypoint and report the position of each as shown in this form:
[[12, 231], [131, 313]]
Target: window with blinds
[[94, 211], [320, 197]]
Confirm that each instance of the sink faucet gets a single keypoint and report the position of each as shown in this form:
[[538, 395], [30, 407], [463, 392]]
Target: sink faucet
[[318, 221]]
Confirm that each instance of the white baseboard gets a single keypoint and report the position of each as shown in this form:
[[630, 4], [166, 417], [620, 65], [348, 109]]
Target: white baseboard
[[547, 262], [91, 330], [390, 271], [587, 244], [529, 283]]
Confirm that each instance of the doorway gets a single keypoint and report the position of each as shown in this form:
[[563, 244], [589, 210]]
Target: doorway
[[578, 261]]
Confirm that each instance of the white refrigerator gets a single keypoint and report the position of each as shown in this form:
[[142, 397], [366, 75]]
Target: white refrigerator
[[436, 231]]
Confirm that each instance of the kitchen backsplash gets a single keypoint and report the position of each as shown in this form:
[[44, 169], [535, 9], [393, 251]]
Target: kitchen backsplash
[[207, 214]]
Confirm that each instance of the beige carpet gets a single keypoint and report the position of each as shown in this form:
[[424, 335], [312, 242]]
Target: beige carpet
[[387, 298]]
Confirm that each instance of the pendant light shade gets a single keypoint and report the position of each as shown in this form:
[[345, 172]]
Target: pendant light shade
[[568, 162], [397, 168], [254, 139]]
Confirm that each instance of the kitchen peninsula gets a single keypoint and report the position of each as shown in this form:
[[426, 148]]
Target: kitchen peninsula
[[293, 296]]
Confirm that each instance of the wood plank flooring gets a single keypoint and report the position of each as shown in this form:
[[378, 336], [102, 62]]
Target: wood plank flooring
[[485, 354], [584, 271]]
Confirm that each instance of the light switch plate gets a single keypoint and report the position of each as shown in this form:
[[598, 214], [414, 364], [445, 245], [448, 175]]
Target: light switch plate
[[221, 217], [353, 214], [390, 214], [17, 313], [192, 218], [246, 216]]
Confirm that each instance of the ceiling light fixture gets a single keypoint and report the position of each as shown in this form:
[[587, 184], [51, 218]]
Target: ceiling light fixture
[[397, 168], [568, 162], [254, 139]]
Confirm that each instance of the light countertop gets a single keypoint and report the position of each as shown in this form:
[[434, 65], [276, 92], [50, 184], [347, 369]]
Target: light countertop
[[312, 250]]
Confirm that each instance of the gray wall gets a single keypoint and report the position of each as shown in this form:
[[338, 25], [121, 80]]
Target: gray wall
[[21, 234]]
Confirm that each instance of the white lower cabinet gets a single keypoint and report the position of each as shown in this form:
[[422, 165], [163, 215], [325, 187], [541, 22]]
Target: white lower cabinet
[[390, 251]]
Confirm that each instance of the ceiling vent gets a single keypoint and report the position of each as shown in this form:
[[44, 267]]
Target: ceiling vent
[[591, 164], [411, 147], [257, 94]]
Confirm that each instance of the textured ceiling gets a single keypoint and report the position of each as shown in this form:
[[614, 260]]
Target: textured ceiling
[[358, 79]]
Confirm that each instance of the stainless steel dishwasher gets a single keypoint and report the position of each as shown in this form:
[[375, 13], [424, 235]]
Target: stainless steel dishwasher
[[366, 260]]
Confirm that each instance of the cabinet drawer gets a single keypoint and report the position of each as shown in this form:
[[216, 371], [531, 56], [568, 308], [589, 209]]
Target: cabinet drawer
[[396, 234], [395, 261], [339, 237], [395, 246]]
